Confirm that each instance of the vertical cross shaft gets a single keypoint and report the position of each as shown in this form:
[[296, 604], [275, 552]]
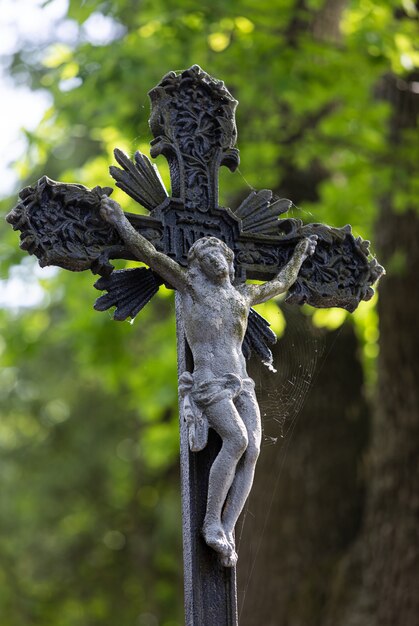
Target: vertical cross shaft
[[209, 588]]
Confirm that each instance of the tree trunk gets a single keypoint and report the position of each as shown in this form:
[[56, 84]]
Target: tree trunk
[[379, 586]]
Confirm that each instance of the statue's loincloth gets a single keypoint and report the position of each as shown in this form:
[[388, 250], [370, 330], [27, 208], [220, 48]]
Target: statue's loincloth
[[196, 397]]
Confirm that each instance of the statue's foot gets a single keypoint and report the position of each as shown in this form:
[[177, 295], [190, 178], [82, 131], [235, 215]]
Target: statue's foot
[[230, 538], [216, 539], [230, 560]]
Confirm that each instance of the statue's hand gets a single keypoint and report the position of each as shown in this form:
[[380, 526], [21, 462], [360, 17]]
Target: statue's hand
[[306, 247], [110, 210]]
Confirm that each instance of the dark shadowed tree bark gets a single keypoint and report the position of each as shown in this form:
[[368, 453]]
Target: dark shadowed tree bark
[[381, 575]]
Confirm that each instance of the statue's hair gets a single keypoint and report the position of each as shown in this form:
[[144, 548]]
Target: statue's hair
[[197, 250]]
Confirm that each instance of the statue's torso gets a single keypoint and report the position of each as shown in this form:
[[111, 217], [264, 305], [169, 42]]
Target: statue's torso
[[215, 318]]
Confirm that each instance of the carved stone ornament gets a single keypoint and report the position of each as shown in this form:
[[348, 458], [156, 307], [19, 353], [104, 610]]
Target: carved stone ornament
[[193, 123], [206, 252]]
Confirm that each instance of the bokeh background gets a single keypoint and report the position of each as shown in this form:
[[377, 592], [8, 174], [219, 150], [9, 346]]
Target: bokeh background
[[90, 522]]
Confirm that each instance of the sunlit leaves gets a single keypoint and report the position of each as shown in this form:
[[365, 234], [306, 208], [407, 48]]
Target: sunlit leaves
[[366, 325], [270, 311], [218, 41], [329, 318], [57, 54]]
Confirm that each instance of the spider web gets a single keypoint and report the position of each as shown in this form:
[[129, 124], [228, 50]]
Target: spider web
[[298, 358]]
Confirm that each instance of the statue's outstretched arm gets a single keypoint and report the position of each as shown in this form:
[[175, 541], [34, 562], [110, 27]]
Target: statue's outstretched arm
[[286, 277], [140, 247]]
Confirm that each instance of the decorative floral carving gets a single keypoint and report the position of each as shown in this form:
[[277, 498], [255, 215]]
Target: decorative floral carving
[[60, 224], [339, 274], [193, 121]]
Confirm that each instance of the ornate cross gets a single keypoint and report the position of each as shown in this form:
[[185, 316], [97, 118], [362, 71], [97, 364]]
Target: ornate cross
[[206, 252]]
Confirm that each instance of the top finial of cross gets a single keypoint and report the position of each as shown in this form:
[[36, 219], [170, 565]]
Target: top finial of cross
[[193, 123]]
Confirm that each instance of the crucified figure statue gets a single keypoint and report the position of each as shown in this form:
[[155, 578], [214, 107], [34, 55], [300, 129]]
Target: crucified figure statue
[[219, 392]]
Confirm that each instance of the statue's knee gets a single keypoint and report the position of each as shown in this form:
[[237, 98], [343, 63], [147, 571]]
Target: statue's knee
[[253, 451], [238, 444]]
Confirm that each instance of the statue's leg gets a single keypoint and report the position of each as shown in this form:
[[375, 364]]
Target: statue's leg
[[248, 409], [224, 418]]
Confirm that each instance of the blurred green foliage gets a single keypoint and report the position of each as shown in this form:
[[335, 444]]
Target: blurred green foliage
[[90, 512]]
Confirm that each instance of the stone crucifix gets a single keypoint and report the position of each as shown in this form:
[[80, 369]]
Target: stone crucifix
[[218, 393], [206, 253]]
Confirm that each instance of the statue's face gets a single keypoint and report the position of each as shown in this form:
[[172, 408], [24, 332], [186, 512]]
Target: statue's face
[[213, 262]]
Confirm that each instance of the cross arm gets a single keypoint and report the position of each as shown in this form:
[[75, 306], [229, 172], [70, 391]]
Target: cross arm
[[256, 294], [140, 247]]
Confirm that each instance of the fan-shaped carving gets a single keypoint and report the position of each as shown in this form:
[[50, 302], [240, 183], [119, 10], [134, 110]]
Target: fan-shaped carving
[[259, 215], [258, 334], [140, 180], [128, 290]]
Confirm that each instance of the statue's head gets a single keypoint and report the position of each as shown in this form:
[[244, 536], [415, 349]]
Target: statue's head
[[214, 257]]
